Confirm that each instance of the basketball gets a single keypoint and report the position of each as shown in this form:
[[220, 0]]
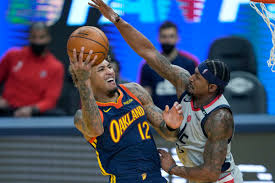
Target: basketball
[[91, 38]]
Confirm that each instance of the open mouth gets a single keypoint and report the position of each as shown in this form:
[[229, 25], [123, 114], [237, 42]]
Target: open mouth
[[111, 80]]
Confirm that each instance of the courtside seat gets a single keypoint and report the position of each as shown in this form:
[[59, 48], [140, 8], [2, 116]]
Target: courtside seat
[[236, 52], [245, 93]]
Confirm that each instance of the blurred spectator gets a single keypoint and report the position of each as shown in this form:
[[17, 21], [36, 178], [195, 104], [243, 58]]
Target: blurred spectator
[[162, 91], [32, 77], [116, 67]]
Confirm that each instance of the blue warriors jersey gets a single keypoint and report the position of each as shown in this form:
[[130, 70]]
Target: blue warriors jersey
[[126, 151]]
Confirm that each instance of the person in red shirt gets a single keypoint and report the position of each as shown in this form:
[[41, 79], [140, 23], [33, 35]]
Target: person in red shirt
[[32, 76]]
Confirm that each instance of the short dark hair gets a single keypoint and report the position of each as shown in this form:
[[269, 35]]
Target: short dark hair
[[39, 26], [108, 58], [166, 25], [220, 70], [115, 61]]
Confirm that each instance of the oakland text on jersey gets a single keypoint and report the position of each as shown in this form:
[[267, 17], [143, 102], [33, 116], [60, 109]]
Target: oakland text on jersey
[[118, 127]]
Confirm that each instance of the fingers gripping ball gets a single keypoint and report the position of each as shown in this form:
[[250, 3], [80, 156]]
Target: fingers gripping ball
[[91, 38]]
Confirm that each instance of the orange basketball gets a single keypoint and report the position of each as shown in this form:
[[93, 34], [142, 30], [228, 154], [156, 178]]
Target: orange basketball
[[91, 38]]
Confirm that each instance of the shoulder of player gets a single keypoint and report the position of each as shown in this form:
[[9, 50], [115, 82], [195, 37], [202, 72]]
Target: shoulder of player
[[132, 87], [139, 92], [220, 124]]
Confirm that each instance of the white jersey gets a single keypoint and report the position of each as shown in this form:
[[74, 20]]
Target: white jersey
[[192, 137]]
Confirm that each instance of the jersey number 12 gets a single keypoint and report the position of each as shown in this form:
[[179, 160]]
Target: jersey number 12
[[141, 130]]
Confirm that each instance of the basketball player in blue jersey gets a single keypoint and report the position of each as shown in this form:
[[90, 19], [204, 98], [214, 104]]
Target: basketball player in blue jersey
[[115, 121], [204, 135]]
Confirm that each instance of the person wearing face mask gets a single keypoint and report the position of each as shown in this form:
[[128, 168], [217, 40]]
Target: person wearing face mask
[[162, 91], [32, 77]]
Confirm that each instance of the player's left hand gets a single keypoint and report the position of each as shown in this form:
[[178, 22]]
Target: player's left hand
[[104, 9], [82, 68], [166, 160], [23, 112], [173, 117]]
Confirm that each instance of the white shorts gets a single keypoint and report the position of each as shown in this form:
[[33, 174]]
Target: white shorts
[[234, 176]]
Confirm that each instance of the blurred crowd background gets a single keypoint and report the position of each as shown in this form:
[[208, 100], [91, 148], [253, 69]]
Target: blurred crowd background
[[34, 76], [195, 31]]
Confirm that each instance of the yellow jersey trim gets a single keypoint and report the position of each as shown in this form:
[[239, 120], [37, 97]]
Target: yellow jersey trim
[[112, 177]]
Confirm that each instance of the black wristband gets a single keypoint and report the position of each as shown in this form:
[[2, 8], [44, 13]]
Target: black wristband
[[170, 169], [169, 128], [117, 19]]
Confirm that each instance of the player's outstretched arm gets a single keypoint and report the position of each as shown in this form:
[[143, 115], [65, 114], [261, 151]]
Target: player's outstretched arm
[[91, 123], [178, 76], [155, 116], [219, 128]]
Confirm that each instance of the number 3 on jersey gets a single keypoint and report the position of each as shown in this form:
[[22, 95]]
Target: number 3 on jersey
[[144, 127]]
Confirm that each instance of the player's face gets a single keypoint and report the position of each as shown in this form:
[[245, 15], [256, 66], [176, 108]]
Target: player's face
[[198, 86], [168, 36], [103, 77]]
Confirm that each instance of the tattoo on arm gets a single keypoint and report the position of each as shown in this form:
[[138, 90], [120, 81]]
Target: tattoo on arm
[[161, 65], [92, 124], [219, 128], [78, 121], [171, 134], [154, 114], [178, 76], [143, 47]]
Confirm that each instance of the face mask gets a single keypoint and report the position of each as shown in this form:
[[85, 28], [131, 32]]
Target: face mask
[[38, 49], [167, 48]]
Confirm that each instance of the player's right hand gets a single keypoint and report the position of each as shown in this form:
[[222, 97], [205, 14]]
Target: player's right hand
[[82, 69], [173, 117]]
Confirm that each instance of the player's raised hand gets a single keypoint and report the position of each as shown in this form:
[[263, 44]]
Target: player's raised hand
[[105, 10], [81, 68], [173, 117]]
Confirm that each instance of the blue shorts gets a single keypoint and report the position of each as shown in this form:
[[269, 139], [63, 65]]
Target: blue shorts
[[154, 177]]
